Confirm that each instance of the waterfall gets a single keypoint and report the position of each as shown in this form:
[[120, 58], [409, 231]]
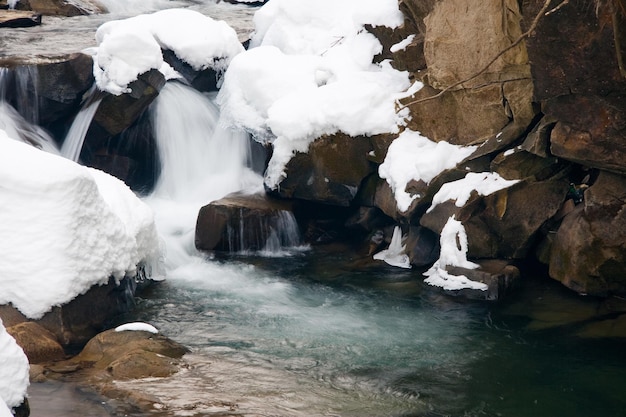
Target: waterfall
[[18, 128], [200, 162], [20, 123], [73, 143]]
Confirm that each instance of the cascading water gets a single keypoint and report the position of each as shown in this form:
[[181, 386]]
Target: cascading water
[[73, 143], [21, 124]]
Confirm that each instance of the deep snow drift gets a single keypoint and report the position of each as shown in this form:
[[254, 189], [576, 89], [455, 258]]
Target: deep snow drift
[[65, 228]]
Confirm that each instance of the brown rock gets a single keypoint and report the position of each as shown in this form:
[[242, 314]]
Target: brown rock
[[38, 344], [588, 254], [501, 278], [61, 7], [463, 36], [125, 355], [79, 320], [322, 174], [503, 224], [591, 130], [572, 51], [241, 222], [117, 113], [19, 19]]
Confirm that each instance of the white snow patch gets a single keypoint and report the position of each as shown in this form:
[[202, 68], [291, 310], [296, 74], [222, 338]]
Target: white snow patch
[[309, 73], [137, 327], [412, 156], [484, 183], [453, 242], [13, 373], [401, 46], [395, 254], [130, 47], [65, 228]]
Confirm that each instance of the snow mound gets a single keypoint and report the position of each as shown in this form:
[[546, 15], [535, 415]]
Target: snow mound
[[130, 47], [137, 327], [309, 73], [412, 156], [65, 228], [13, 373]]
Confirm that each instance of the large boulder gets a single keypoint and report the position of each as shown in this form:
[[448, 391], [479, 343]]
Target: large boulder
[[578, 80], [127, 355], [38, 344], [498, 99], [323, 174], [79, 320], [48, 90], [241, 222], [588, 253]]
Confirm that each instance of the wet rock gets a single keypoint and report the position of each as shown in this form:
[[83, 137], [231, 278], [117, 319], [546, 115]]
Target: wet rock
[[503, 224], [422, 246], [322, 174], [517, 163], [117, 113], [61, 7], [19, 19], [591, 130], [79, 320], [241, 222], [124, 355], [38, 344], [588, 253], [501, 278]]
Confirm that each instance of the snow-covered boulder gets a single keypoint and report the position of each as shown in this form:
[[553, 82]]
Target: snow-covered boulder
[[64, 229], [13, 373]]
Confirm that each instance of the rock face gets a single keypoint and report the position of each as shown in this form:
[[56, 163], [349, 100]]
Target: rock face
[[241, 222], [322, 174], [588, 253], [79, 320], [38, 344], [49, 89]]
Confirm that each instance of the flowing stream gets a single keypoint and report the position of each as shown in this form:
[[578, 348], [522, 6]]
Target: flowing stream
[[320, 331]]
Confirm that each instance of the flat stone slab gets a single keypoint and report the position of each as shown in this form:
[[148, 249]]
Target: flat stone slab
[[19, 19]]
